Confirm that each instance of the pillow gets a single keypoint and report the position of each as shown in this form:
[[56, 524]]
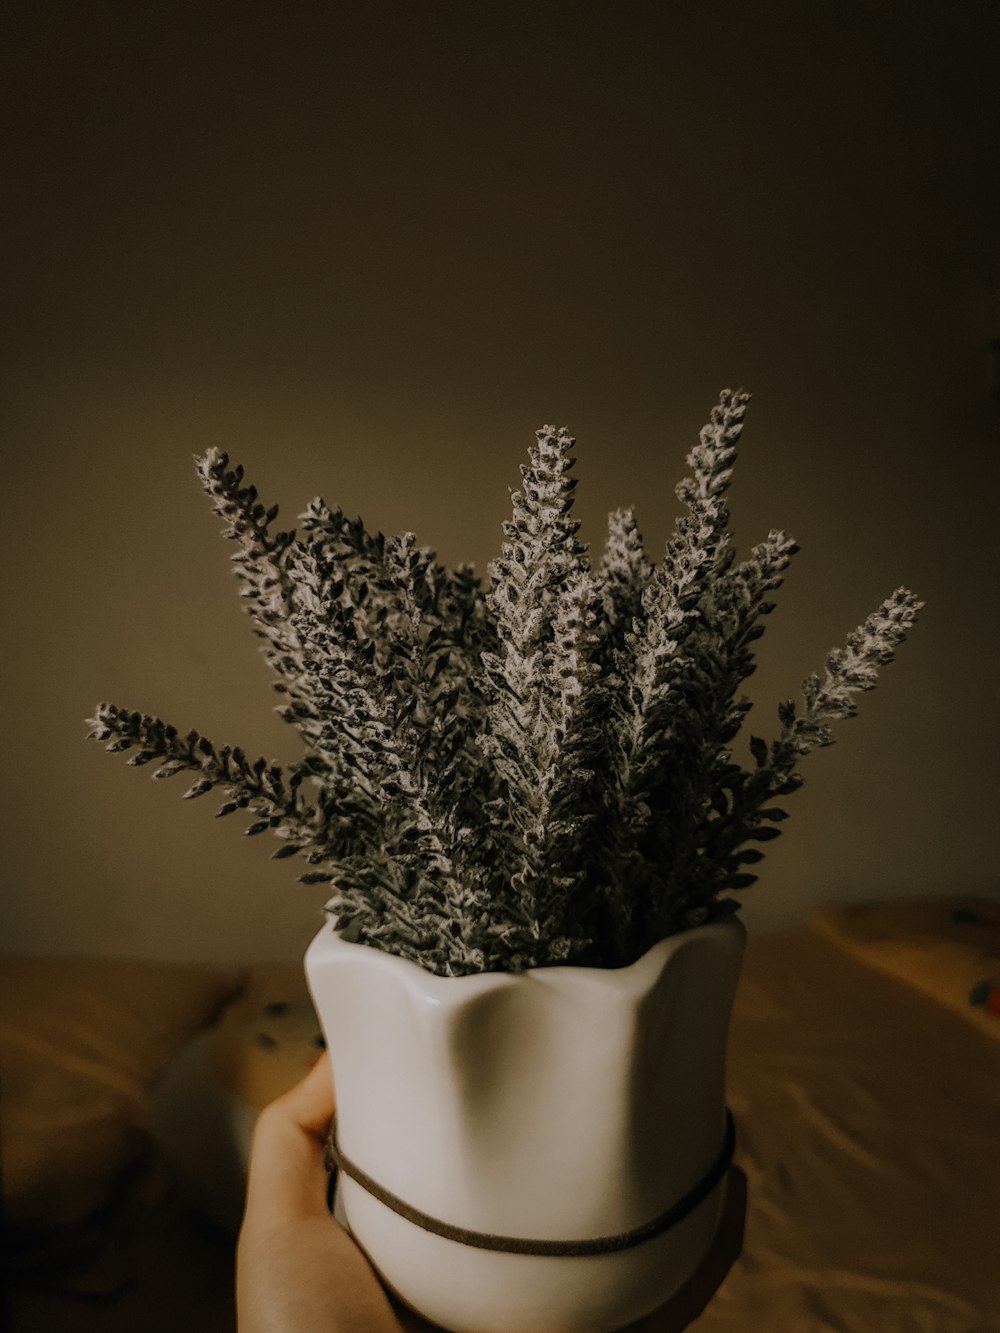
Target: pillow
[[82, 1042], [946, 947], [207, 1103]]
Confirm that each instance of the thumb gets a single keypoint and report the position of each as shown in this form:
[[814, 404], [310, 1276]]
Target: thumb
[[287, 1177]]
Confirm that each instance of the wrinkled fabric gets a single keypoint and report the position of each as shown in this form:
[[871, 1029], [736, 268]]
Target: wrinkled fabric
[[868, 1123]]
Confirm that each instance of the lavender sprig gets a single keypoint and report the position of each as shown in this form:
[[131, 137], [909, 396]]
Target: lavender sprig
[[527, 694], [742, 816], [256, 785], [667, 664], [536, 774]]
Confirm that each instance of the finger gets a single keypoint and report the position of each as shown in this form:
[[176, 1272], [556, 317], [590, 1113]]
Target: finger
[[287, 1176], [310, 1104]]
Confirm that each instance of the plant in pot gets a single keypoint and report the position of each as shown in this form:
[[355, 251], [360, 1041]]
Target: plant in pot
[[526, 810]]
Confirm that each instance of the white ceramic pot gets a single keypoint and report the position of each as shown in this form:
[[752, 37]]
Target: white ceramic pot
[[563, 1104]]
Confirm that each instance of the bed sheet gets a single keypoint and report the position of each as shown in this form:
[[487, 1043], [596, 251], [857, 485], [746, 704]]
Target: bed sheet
[[868, 1123]]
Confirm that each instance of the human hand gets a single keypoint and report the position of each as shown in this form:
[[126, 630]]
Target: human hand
[[298, 1271]]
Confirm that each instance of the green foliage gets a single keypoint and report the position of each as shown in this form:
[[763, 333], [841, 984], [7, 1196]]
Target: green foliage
[[534, 774]]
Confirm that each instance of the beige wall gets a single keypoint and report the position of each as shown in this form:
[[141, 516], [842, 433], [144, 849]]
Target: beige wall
[[368, 256]]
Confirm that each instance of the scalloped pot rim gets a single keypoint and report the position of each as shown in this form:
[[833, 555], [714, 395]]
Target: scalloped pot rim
[[631, 980]]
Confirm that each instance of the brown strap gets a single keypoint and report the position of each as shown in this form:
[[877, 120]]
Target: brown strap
[[335, 1160]]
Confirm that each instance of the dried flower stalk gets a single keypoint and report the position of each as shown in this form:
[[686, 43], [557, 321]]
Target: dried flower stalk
[[535, 774]]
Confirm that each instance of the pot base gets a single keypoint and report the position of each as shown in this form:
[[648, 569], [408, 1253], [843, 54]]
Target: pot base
[[529, 1293]]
